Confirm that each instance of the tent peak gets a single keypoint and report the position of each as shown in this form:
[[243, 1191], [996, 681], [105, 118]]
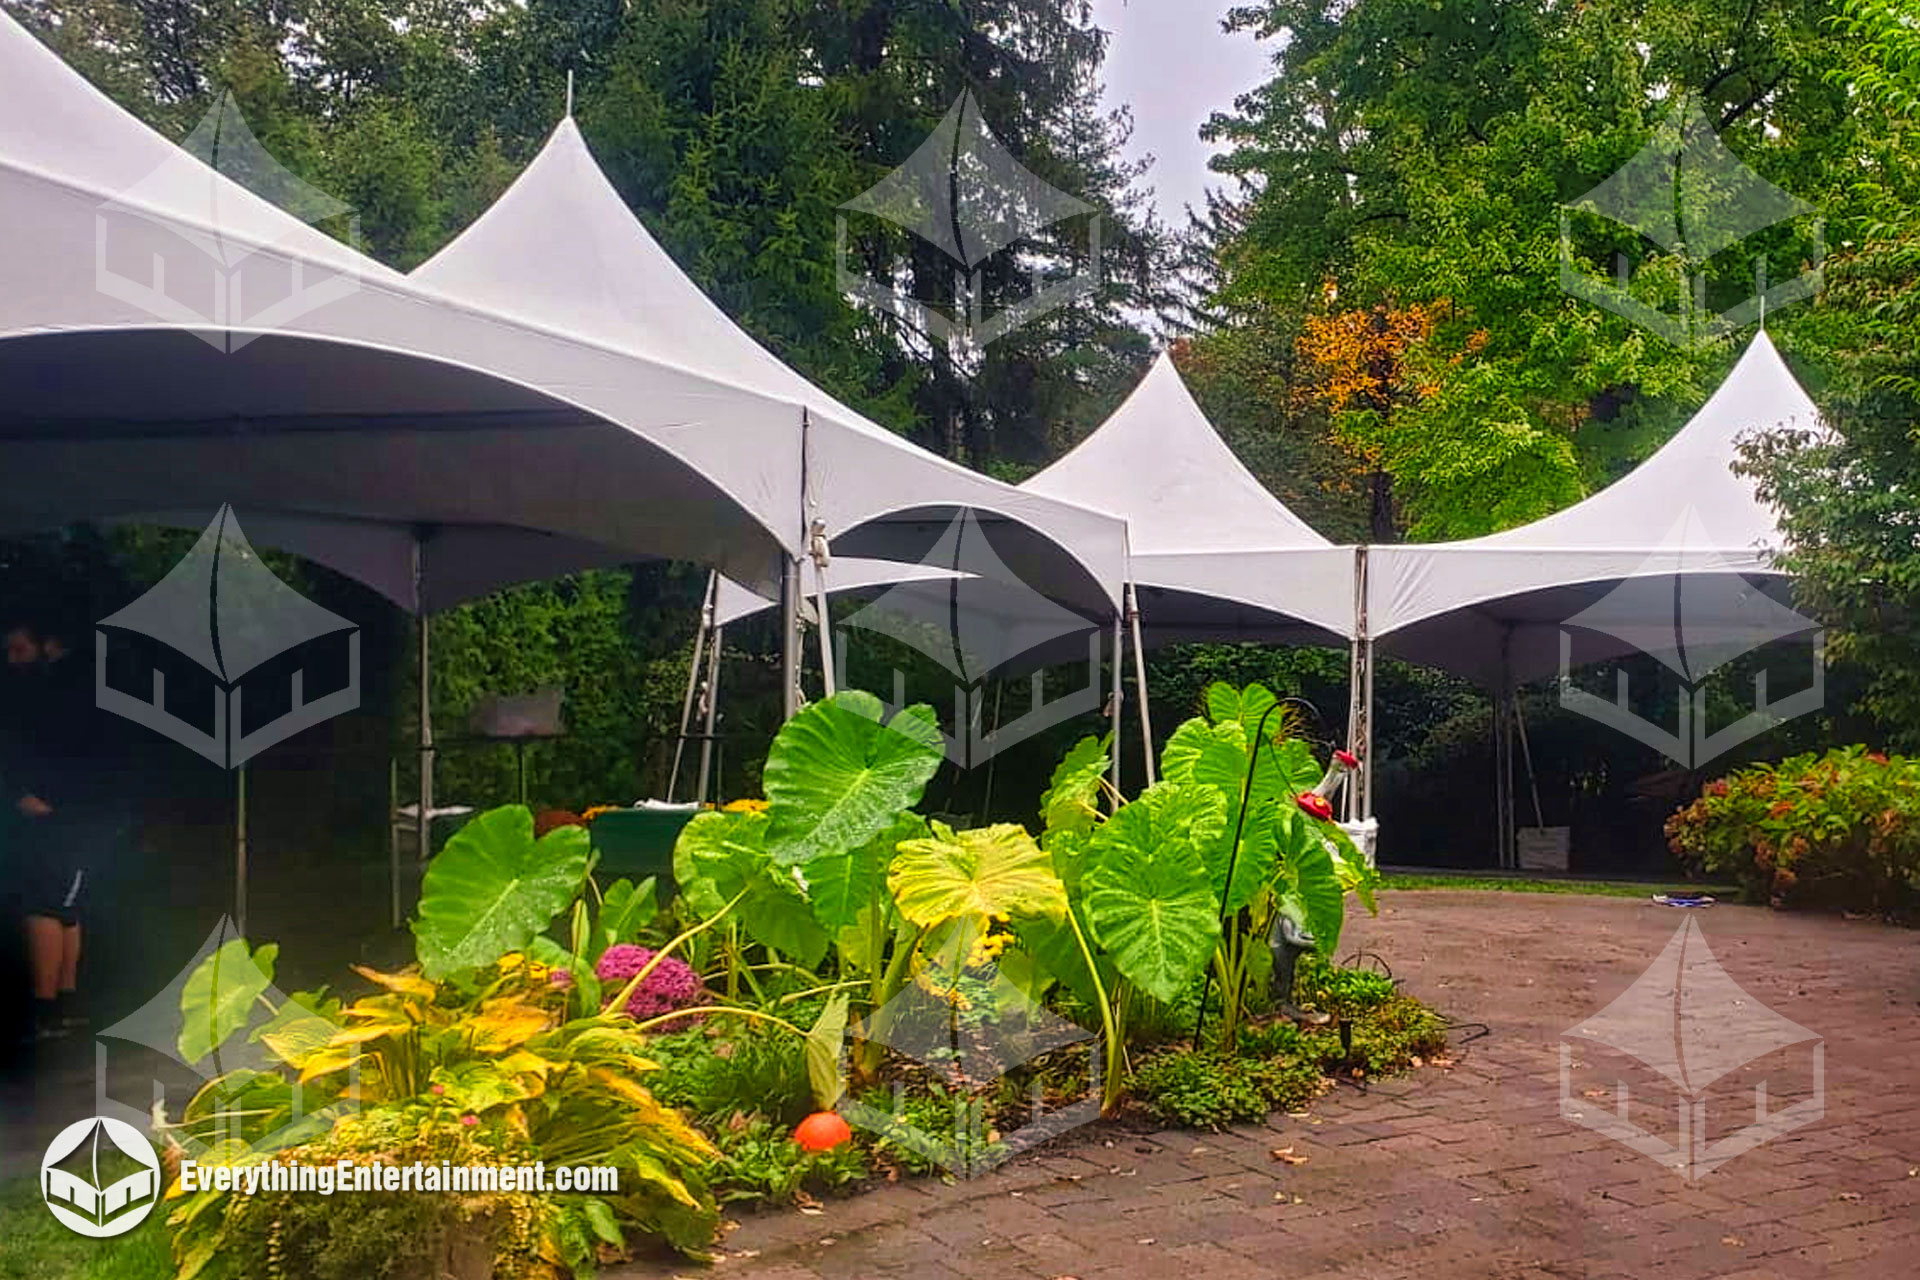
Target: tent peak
[[1161, 465]]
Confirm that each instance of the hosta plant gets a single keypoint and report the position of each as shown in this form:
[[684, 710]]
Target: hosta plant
[[485, 1063]]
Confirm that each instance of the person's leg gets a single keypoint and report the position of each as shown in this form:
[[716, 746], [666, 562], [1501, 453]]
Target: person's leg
[[45, 948], [69, 959]]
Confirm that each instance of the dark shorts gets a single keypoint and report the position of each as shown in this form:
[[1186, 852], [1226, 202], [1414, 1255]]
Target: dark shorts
[[54, 882], [56, 858]]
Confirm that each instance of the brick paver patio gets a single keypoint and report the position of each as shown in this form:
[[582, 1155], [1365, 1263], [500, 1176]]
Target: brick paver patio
[[1467, 1170]]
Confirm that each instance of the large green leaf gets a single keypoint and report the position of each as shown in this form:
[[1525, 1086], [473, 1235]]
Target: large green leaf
[[494, 887], [826, 1040], [1310, 892], [716, 855], [839, 773], [626, 909], [1149, 899], [1241, 706], [1071, 802], [974, 875], [842, 885], [1053, 944], [723, 856], [1217, 756], [775, 913], [219, 997]]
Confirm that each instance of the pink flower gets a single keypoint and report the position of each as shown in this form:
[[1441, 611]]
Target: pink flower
[[672, 985], [469, 1120], [439, 1090], [560, 978], [1347, 759], [1314, 805]]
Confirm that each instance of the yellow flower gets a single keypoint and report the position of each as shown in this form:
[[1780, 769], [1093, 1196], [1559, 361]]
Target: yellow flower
[[744, 806], [598, 809], [537, 971], [511, 960]]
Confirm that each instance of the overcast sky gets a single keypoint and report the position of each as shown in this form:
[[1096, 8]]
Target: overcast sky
[[1170, 62]]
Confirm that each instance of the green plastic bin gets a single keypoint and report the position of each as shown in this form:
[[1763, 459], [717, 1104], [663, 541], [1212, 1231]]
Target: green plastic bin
[[636, 843]]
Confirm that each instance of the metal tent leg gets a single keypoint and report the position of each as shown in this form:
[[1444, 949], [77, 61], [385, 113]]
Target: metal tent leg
[[693, 681], [1114, 701], [1140, 688], [712, 708], [789, 639]]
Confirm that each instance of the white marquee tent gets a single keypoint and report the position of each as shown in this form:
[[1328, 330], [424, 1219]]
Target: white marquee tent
[[172, 342], [1670, 560], [561, 249]]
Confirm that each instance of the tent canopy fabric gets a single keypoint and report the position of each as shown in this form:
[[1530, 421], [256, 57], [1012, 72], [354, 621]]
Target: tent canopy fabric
[[169, 338], [1216, 554], [1491, 609], [561, 250]]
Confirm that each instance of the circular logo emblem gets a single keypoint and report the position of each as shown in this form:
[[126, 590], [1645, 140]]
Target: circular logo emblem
[[100, 1177]]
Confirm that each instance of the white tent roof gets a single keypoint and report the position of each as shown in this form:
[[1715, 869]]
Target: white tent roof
[[562, 250], [846, 575], [1483, 604], [1215, 554], [167, 338]]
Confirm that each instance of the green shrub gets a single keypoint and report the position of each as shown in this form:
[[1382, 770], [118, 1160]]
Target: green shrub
[[1199, 1089], [1390, 1037], [760, 1162], [1344, 993], [1835, 830], [740, 1072]]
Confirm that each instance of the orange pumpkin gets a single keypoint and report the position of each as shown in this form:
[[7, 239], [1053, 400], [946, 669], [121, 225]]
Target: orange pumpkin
[[822, 1131]]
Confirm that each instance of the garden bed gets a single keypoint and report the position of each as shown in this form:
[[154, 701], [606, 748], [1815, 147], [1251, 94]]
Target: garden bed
[[843, 991]]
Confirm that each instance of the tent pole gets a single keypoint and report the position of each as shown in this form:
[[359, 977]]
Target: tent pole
[[240, 851], [1140, 685], [825, 620], [1526, 758], [986, 804], [1114, 701], [1503, 708], [713, 705], [424, 820], [1360, 695], [393, 834], [693, 680], [789, 639]]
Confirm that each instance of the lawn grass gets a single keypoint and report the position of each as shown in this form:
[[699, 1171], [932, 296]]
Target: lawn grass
[[1529, 884], [34, 1246]]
